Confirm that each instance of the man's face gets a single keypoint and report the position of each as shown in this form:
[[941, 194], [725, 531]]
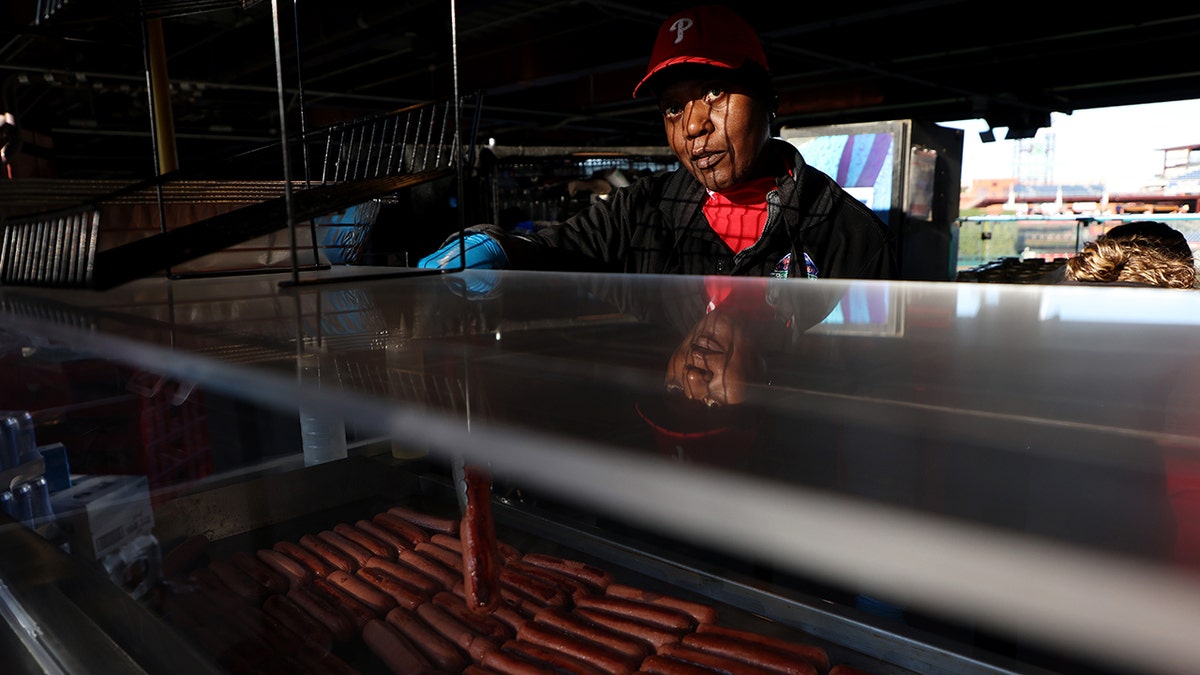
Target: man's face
[[716, 129]]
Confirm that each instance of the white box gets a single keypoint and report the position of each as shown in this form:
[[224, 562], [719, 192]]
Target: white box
[[100, 514]]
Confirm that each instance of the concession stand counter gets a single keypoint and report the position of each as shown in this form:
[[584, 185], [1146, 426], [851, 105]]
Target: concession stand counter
[[918, 477]]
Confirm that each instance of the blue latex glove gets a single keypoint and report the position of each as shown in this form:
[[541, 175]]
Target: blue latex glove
[[482, 252]]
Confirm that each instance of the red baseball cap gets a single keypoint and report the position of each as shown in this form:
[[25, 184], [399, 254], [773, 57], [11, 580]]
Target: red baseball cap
[[688, 431], [711, 35]]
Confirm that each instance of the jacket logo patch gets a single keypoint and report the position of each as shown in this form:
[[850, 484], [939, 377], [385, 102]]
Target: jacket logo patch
[[784, 266], [811, 267]]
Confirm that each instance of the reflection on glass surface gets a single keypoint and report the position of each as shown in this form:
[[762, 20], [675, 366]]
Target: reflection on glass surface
[[1121, 305], [989, 403]]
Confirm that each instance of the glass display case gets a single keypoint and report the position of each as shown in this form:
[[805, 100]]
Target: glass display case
[[916, 477]]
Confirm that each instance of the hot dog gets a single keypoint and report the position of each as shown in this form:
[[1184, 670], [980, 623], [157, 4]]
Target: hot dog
[[539, 590], [663, 617], [557, 661], [514, 663], [508, 553], [653, 635], [430, 567], [323, 611], [474, 669], [291, 569], [440, 651], [507, 611], [753, 653], [570, 586], [629, 647], [315, 564], [441, 620], [409, 533], [329, 554], [403, 594], [510, 616], [714, 661], [378, 601], [522, 605], [358, 612], [358, 553], [408, 574], [377, 547], [665, 665], [451, 559], [425, 520], [446, 541], [598, 577], [701, 612], [480, 558], [558, 640], [482, 624], [395, 544], [396, 652], [811, 653], [295, 619], [256, 569], [238, 581]]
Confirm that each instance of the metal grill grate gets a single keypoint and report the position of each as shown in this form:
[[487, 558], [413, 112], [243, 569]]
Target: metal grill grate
[[57, 251], [415, 139]]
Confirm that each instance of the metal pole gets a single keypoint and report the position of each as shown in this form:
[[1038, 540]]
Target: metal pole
[[160, 97], [283, 136]]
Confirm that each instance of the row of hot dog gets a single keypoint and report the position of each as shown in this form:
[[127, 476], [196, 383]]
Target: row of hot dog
[[392, 585]]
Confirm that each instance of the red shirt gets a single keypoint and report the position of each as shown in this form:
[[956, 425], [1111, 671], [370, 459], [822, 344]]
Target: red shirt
[[739, 214]]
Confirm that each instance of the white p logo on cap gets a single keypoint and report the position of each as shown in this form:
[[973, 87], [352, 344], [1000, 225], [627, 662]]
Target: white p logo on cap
[[679, 27]]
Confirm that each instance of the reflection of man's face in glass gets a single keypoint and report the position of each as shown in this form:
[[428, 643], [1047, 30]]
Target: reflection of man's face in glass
[[715, 361]]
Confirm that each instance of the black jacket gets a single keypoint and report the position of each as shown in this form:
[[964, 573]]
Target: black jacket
[[656, 226]]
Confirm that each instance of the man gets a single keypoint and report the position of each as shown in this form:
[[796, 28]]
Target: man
[[1139, 253], [742, 203]]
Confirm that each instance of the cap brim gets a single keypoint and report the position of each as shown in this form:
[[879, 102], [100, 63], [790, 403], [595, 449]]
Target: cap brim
[[688, 431], [678, 60], [679, 417]]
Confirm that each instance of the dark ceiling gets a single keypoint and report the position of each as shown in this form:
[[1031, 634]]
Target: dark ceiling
[[554, 73]]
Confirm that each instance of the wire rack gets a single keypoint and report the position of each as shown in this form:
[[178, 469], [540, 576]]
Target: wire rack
[[342, 165], [65, 11]]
